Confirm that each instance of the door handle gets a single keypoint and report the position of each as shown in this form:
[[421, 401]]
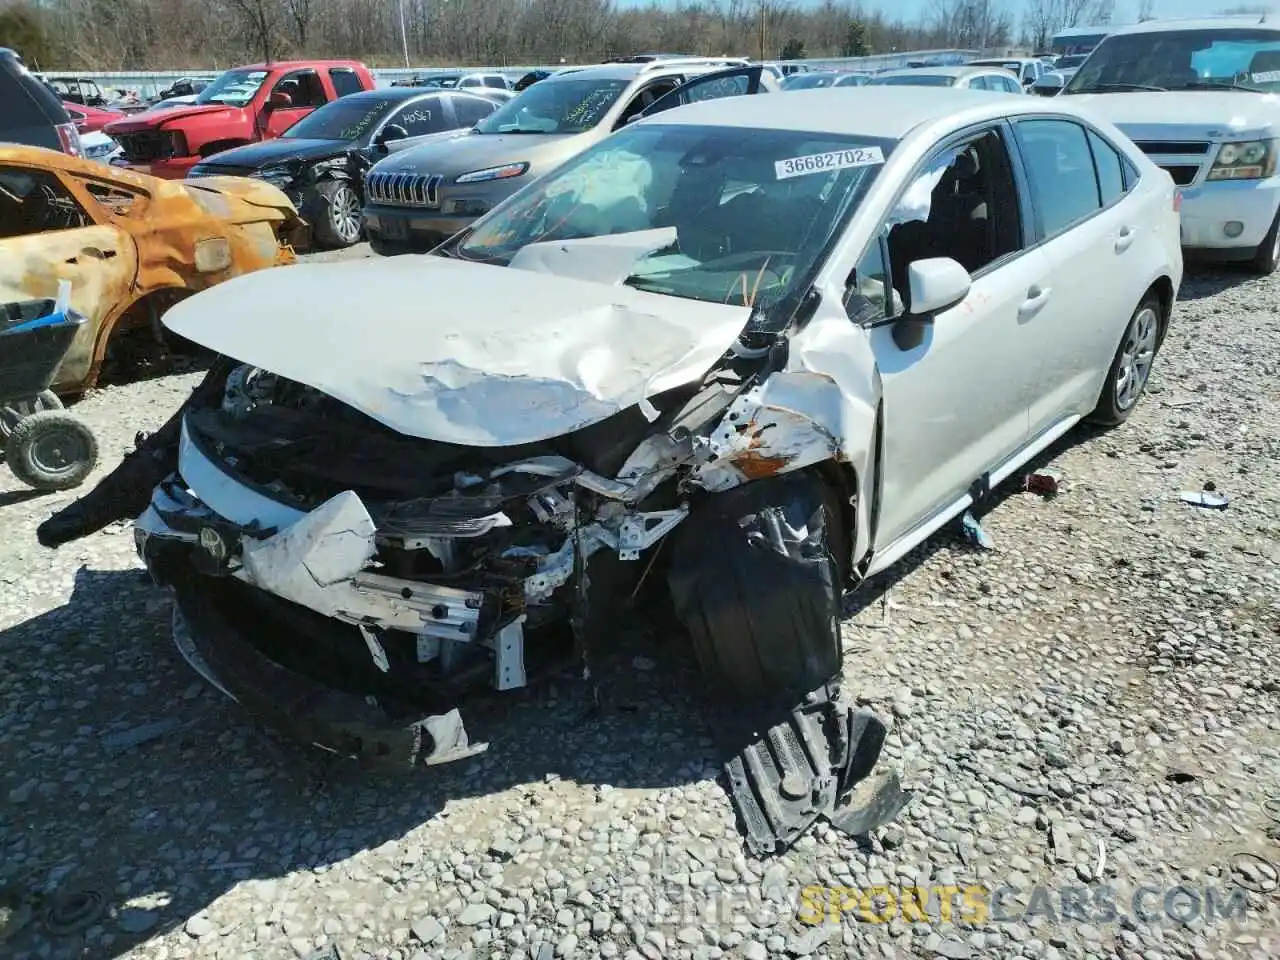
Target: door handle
[[1125, 239], [1037, 297]]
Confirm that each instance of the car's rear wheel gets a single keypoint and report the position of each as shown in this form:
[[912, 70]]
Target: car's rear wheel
[[1267, 257], [340, 221], [754, 581], [1131, 367]]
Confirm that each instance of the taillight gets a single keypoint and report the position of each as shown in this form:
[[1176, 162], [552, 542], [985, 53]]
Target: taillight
[[69, 137], [1177, 201]]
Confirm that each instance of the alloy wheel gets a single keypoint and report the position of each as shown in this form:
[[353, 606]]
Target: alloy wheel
[[1136, 358]]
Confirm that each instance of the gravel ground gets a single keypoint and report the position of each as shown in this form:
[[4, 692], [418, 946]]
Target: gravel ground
[[1089, 707]]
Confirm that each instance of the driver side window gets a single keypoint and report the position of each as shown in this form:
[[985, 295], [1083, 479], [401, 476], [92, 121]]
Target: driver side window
[[645, 97], [303, 87], [963, 204], [419, 117]]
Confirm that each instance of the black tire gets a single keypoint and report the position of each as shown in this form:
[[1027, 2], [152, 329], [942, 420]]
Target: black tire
[[14, 411], [1267, 257], [1141, 338], [387, 248], [336, 219], [754, 581], [51, 450]]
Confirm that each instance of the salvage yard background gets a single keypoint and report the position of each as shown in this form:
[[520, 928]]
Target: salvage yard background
[[1099, 692]]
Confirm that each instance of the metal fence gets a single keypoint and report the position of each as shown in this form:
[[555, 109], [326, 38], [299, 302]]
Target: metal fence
[[149, 83]]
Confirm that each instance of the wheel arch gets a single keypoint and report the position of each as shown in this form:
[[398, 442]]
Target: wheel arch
[[1162, 287], [145, 309], [217, 146]]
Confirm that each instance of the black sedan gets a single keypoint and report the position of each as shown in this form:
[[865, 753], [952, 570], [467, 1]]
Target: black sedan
[[320, 161]]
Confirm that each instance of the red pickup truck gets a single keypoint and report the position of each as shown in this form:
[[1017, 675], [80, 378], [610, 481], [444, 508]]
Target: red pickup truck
[[257, 102]]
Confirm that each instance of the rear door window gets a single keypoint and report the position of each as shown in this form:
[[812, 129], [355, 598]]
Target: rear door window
[[1064, 184], [471, 110], [1110, 166], [344, 81]]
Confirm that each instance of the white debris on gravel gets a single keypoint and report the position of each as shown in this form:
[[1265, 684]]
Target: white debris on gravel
[[1092, 706]]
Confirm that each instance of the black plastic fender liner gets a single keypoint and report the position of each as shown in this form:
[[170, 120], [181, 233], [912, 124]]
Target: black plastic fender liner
[[816, 761], [754, 582]]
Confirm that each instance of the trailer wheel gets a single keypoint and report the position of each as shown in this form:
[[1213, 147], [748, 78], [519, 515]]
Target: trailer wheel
[[13, 411], [754, 581], [51, 450]]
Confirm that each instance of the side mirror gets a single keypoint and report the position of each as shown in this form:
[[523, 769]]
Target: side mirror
[[392, 131], [278, 101], [935, 284]]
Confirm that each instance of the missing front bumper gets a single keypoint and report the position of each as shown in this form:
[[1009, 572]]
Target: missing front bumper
[[299, 707]]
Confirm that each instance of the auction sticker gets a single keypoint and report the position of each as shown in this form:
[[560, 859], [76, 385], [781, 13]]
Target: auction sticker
[[1267, 76], [835, 160]]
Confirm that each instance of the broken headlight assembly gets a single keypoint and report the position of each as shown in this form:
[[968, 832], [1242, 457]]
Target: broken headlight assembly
[[278, 174], [1245, 160], [506, 171]]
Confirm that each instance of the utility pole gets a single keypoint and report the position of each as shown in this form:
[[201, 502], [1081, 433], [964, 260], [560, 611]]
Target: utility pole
[[762, 27], [404, 37]]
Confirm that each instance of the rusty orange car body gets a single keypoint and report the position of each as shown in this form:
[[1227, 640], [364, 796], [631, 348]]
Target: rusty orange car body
[[130, 245]]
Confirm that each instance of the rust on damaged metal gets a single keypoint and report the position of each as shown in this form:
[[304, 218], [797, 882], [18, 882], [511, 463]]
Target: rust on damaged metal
[[131, 245]]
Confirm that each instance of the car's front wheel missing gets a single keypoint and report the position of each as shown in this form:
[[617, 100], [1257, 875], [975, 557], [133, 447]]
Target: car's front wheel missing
[[1131, 367], [754, 581]]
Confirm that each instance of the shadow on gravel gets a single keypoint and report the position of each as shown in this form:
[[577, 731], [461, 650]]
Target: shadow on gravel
[[10, 497], [170, 825], [1204, 280], [950, 537]]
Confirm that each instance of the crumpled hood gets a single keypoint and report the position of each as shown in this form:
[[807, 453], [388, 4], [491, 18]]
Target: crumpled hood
[[1204, 115], [461, 352], [256, 156]]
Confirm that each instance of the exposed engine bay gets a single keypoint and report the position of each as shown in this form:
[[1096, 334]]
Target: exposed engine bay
[[358, 587]]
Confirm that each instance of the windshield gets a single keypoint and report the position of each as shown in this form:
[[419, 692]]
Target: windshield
[[1235, 59], [556, 106], [345, 119], [718, 214], [235, 87], [915, 80], [449, 81], [807, 81]]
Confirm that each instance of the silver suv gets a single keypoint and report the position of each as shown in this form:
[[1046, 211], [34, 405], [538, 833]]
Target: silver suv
[[420, 197]]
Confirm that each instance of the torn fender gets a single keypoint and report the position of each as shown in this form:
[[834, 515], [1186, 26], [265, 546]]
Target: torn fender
[[820, 407]]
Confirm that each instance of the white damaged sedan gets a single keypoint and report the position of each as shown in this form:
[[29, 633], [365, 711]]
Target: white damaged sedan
[[734, 358]]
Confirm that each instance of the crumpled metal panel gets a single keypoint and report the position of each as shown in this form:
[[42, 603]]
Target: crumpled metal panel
[[138, 238]]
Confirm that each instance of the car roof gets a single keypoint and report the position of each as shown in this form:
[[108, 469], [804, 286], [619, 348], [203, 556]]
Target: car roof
[[888, 113], [1199, 23], [654, 68], [299, 64], [394, 93], [996, 61], [962, 71]]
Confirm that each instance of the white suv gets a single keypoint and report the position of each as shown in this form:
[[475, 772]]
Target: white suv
[[1193, 95]]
